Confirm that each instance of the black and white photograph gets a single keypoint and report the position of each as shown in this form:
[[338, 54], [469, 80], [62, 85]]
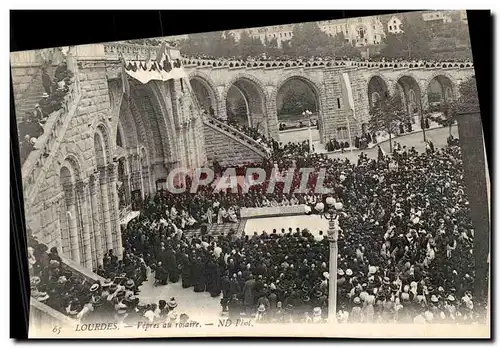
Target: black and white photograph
[[313, 179]]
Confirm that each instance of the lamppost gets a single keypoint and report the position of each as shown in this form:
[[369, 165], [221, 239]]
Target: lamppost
[[308, 114], [333, 232]]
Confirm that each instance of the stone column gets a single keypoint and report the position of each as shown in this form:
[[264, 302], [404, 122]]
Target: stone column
[[112, 173], [69, 193], [94, 214], [82, 189], [196, 159], [105, 208], [152, 178]]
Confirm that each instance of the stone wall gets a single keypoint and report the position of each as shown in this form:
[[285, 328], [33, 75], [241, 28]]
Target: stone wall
[[226, 149], [47, 215]]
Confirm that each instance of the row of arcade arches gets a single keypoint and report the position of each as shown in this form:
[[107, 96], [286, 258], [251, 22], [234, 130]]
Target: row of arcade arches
[[244, 99]]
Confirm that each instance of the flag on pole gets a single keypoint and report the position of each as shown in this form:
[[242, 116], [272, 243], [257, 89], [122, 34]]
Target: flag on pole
[[161, 51], [347, 83]]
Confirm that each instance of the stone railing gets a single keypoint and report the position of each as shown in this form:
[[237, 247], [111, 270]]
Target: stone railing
[[47, 144], [323, 63], [249, 213], [262, 149], [136, 52], [43, 318]]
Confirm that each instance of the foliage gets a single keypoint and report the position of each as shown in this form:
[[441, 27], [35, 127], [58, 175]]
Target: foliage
[[297, 100], [412, 43], [468, 98], [385, 115], [309, 40]]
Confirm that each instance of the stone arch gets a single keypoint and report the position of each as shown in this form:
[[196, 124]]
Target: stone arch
[[102, 126], [446, 81], [70, 229], [254, 94], [408, 82], [123, 172], [132, 133], [376, 84], [311, 85], [100, 149], [147, 100], [207, 83]]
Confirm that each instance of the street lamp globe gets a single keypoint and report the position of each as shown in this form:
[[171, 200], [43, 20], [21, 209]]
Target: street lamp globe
[[330, 201], [319, 207]]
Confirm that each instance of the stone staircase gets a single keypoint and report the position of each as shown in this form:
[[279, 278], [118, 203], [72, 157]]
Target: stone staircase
[[230, 146], [27, 101], [44, 317], [218, 229]]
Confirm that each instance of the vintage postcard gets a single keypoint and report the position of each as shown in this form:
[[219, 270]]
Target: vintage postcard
[[320, 179]]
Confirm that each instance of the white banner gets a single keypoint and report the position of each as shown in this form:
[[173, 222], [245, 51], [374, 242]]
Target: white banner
[[347, 83], [144, 76]]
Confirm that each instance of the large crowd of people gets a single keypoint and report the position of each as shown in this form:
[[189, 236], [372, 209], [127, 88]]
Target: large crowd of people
[[405, 241], [405, 248], [55, 89], [289, 61]]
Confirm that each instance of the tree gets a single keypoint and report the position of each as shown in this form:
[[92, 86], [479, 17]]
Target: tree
[[245, 44], [272, 49], [467, 100], [226, 45], [413, 42], [448, 116], [309, 40], [386, 116]]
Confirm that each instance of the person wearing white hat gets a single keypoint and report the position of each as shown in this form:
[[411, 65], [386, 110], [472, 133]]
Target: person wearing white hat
[[317, 315], [356, 314], [261, 313]]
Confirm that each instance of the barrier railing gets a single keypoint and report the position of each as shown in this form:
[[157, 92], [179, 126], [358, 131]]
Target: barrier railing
[[47, 144], [263, 149], [323, 63]]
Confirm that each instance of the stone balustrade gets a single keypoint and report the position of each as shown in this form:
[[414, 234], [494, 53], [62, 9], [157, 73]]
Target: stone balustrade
[[261, 212], [47, 143], [136, 52], [44, 319], [324, 63], [263, 149]]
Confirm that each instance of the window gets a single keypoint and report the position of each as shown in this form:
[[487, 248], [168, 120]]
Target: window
[[373, 27], [182, 86], [338, 103], [390, 27]]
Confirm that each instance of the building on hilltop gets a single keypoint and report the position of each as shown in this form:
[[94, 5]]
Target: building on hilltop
[[439, 17], [394, 25], [358, 32]]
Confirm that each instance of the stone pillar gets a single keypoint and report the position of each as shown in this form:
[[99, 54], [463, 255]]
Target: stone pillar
[[94, 214], [152, 178], [82, 189], [113, 173], [69, 193], [105, 208]]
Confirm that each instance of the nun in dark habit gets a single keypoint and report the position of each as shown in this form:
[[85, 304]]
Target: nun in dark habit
[[198, 274], [213, 277]]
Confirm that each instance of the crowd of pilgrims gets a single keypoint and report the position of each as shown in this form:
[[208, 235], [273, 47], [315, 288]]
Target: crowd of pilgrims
[[55, 89], [290, 61], [405, 250]]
